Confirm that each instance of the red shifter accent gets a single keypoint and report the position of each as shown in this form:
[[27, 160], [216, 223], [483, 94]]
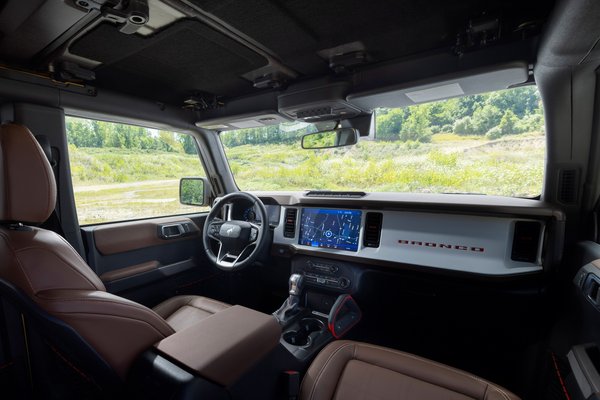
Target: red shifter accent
[[344, 314]]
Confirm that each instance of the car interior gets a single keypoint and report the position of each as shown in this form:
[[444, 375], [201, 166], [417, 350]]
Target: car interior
[[242, 290]]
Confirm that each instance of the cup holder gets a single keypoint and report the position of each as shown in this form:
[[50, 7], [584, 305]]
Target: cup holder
[[311, 324], [297, 338], [301, 336]]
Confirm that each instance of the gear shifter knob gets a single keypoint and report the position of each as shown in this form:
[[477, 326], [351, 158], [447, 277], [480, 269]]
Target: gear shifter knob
[[296, 284]]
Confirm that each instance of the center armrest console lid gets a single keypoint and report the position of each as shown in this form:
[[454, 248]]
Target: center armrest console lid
[[225, 345]]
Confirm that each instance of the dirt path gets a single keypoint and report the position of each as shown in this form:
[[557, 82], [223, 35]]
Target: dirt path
[[107, 186]]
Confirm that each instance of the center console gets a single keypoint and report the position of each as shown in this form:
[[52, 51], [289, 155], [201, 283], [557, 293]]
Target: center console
[[206, 359], [319, 307]]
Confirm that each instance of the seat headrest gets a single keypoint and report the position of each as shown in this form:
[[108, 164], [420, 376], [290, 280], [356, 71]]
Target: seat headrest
[[28, 188]]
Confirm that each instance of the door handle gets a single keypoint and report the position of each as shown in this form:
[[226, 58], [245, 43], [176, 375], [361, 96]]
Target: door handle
[[171, 231]]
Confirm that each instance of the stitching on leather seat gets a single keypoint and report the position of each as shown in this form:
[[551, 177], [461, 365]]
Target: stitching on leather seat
[[459, 372], [16, 258], [208, 300], [38, 154], [125, 305], [312, 391], [22, 250], [80, 314], [502, 392]]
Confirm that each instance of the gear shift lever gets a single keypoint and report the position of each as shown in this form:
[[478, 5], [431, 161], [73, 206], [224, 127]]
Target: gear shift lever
[[296, 284], [291, 305]]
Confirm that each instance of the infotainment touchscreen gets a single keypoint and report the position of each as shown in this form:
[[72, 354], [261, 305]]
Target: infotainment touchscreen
[[330, 228]]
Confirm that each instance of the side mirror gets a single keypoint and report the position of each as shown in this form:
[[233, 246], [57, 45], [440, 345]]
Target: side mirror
[[194, 191], [329, 139]]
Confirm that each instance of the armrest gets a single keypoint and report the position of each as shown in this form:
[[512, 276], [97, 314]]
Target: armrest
[[130, 271], [225, 345]]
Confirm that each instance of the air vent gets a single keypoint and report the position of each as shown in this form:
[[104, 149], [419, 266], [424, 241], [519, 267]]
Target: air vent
[[329, 193], [373, 229], [289, 228], [526, 241], [568, 183]]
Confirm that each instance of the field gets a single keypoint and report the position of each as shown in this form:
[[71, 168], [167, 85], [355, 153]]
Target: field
[[119, 184], [511, 166]]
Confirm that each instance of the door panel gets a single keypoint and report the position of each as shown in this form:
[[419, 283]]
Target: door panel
[[575, 338], [151, 260], [127, 236]]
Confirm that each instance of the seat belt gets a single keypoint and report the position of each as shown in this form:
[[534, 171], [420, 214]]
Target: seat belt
[[53, 222]]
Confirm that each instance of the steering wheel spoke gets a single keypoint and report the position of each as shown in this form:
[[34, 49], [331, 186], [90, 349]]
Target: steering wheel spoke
[[255, 229], [214, 229]]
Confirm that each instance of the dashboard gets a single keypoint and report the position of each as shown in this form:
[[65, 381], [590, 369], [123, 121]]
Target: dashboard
[[500, 238]]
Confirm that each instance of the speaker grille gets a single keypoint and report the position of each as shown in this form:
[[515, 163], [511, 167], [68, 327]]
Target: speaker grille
[[568, 184]]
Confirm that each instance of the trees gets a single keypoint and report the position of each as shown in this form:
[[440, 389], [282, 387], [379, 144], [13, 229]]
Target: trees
[[188, 143], [508, 124], [390, 124], [90, 133], [485, 118], [416, 126], [468, 115]]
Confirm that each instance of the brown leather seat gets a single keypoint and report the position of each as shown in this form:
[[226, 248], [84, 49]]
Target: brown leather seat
[[183, 311], [49, 271], [359, 371]]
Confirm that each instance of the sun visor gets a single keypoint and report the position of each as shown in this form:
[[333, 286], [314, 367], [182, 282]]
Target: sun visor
[[442, 87]]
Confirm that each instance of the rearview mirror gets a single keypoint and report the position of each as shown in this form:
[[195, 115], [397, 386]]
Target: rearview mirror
[[194, 191], [328, 139]]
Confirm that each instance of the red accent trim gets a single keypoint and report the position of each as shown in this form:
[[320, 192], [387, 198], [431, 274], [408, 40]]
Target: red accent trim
[[290, 372], [560, 378], [70, 364], [6, 365], [330, 324], [330, 327]]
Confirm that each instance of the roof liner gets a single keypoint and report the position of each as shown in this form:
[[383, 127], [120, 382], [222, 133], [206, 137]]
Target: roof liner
[[222, 45], [185, 58]]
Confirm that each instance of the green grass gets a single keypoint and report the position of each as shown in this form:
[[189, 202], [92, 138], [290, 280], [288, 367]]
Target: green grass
[[511, 166], [119, 184], [97, 166], [119, 202]]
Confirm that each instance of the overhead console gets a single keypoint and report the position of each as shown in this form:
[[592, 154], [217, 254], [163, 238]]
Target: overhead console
[[507, 243], [318, 103]]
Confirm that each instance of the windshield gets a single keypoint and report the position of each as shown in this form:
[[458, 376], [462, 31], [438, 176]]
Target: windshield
[[487, 144]]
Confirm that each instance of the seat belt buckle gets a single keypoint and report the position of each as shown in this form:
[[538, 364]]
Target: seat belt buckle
[[292, 384]]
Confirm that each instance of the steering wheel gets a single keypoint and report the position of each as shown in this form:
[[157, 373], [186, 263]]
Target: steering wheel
[[240, 242]]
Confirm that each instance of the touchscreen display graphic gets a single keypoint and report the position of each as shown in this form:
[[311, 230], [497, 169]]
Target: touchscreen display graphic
[[329, 228]]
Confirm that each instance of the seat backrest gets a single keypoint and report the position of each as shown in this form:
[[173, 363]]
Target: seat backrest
[[59, 361], [43, 265]]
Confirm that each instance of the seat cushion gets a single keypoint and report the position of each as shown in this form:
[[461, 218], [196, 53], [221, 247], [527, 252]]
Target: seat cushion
[[356, 371], [183, 311]]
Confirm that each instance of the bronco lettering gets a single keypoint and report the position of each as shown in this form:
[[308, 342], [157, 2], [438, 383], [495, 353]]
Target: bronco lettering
[[442, 246]]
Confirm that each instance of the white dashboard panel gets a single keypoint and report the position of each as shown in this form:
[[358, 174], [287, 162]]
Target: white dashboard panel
[[466, 243]]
